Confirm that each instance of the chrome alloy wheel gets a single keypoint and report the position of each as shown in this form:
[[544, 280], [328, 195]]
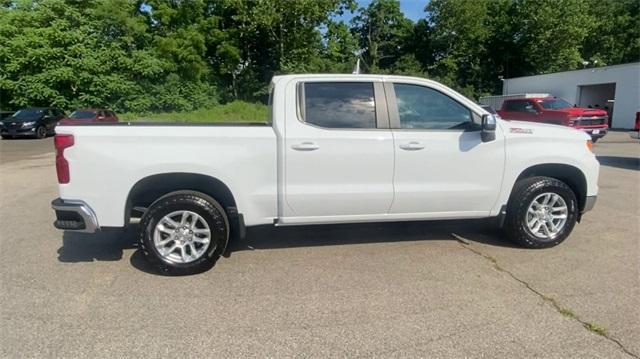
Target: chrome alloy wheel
[[547, 215], [182, 237]]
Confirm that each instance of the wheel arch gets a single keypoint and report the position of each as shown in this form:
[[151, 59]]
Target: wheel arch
[[150, 188], [571, 175]]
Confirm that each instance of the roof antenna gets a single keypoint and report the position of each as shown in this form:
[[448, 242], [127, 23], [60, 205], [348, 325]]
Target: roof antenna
[[356, 70]]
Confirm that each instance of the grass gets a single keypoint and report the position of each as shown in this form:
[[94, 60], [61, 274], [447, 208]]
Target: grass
[[237, 111], [593, 327]]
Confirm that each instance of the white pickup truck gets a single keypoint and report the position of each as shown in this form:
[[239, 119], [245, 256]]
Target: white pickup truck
[[336, 149]]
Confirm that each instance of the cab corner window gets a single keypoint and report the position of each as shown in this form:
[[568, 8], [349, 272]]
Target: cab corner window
[[421, 107], [339, 104]]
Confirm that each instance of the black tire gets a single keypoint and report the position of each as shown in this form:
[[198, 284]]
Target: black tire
[[206, 207], [595, 139], [6, 137], [524, 192], [41, 132]]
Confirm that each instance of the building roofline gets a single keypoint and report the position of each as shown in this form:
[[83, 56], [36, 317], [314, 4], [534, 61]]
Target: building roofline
[[590, 69]]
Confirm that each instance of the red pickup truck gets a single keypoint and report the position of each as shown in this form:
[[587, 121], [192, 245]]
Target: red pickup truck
[[557, 111]]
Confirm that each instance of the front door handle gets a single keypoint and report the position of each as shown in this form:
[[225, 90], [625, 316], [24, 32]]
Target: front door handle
[[305, 146], [412, 146]]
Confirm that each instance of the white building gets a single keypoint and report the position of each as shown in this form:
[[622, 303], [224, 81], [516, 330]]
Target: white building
[[614, 88]]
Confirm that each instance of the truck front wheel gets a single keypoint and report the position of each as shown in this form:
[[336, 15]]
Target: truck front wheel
[[541, 212], [184, 233]]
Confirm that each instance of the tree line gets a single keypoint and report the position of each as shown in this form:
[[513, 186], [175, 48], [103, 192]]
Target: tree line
[[177, 55]]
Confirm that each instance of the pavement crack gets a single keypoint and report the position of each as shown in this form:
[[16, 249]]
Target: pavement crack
[[590, 326]]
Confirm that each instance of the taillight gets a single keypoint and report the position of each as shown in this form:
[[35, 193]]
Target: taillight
[[638, 121], [62, 165]]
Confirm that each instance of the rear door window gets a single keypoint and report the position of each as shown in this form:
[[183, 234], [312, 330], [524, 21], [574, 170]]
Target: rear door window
[[339, 104]]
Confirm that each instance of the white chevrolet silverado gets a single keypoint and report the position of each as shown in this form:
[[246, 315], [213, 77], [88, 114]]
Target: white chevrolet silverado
[[336, 149]]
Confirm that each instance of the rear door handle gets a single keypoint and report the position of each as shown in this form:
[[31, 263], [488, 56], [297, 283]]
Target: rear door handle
[[412, 146], [305, 146]]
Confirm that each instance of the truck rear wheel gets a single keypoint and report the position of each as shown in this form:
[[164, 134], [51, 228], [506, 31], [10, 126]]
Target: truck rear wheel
[[184, 233], [541, 212]]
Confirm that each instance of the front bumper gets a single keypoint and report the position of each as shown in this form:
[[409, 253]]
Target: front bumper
[[27, 131], [596, 132], [589, 203], [74, 216]]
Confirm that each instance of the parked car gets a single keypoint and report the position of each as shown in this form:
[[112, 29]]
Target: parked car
[[90, 115], [5, 114], [490, 110], [556, 111], [635, 133], [34, 121], [340, 148]]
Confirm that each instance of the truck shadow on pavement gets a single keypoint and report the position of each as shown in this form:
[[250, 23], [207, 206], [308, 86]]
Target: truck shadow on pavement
[[271, 237], [106, 245], [628, 163], [109, 245]]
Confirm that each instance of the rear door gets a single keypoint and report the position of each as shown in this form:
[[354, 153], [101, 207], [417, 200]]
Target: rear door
[[338, 151], [522, 110]]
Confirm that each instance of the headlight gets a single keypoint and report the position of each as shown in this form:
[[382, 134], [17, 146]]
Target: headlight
[[27, 124], [573, 120]]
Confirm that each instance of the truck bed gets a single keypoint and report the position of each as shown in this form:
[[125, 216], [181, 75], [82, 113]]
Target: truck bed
[[107, 158], [171, 124]]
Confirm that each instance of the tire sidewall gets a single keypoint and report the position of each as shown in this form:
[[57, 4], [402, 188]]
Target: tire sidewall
[[520, 206], [40, 129], [211, 212]]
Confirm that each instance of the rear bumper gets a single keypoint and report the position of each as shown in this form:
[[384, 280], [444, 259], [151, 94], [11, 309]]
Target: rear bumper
[[589, 203], [74, 216]]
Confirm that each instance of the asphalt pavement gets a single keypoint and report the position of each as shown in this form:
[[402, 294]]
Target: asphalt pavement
[[421, 289]]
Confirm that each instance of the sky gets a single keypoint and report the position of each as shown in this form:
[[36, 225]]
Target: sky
[[412, 9]]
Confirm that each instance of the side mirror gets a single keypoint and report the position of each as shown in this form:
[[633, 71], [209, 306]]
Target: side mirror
[[488, 131]]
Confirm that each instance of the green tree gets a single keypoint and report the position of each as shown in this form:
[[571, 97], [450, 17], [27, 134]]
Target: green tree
[[383, 32], [250, 41], [615, 35], [97, 53], [551, 33], [340, 54], [457, 33]]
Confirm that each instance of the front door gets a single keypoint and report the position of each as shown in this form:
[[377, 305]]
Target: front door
[[338, 152], [442, 167]]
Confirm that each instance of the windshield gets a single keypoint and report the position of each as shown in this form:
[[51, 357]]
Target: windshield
[[555, 104], [28, 114], [82, 115]]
